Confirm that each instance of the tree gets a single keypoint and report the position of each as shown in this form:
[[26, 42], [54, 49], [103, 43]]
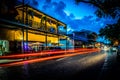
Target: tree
[[92, 37], [111, 32], [7, 9], [104, 7], [107, 8]]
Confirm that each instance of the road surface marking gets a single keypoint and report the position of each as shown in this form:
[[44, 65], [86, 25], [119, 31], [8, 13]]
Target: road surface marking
[[60, 59]]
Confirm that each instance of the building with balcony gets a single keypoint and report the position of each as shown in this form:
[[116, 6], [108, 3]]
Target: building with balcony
[[30, 30]]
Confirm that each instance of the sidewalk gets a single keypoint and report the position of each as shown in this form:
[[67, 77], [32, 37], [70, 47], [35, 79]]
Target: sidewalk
[[111, 68]]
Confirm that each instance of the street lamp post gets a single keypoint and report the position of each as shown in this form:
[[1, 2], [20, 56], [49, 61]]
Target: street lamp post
[[73, 40]]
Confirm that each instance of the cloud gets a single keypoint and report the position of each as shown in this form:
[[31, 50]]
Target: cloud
[[57, 10], [33, 3], [71, 16]]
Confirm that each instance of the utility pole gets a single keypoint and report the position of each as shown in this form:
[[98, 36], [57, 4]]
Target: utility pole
[[66, 37], [26, 10], [23, 27], [73, 40]]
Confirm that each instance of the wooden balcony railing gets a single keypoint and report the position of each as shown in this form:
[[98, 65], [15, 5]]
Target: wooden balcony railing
[[41, 27]]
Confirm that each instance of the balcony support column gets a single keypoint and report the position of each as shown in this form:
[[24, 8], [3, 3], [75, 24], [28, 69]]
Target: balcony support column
[[23, 27]]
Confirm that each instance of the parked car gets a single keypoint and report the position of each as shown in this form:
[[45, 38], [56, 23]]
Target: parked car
[[118, 51], [114, 49], [105, 48], [118, 54]]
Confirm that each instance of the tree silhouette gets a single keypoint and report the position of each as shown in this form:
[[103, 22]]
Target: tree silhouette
[[107, 8], [104, 7], [7, 9], [92, 37], [111, 32]]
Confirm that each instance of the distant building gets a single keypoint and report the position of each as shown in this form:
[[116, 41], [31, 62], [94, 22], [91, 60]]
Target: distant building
[[83, 38], [79, 40]]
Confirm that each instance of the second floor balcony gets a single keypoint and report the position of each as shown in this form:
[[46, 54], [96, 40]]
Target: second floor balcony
[[42, 27]]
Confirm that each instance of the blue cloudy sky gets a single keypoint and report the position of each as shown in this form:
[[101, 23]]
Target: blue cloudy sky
[[76, 17]]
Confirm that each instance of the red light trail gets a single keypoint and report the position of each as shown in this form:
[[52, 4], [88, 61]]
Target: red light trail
[[76, 52], [44, 53]]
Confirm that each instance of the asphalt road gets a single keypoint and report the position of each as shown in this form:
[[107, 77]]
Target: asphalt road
[[93, 66]]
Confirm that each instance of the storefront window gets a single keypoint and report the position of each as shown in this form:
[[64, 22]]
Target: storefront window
[[34, 47], [4, 47]]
